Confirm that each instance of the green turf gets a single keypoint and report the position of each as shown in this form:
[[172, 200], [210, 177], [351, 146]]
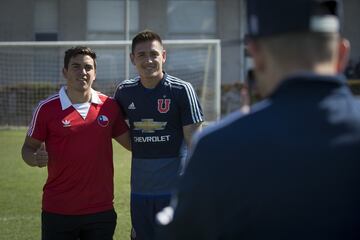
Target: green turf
[[21, 190]]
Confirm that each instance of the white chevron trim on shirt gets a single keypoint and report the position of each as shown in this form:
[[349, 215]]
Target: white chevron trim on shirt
[[36, 112]]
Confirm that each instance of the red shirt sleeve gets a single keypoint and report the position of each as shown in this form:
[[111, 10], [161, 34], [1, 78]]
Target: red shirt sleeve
[[119, 126], [37, 128]]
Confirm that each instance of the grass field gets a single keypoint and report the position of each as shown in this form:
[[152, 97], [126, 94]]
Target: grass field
[[21, 190]]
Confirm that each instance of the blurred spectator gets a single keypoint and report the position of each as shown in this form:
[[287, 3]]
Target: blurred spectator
[[245, 99], [357, 69], [254, 94], [350, 70], [236, 97]]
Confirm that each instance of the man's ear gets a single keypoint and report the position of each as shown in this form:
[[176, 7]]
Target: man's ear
[[64, 72], [343, 55], [256, 52], [164, 56], [132, 58]]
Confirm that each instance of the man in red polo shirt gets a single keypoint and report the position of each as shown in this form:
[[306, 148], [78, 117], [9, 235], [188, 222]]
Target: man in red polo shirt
[[77, 126]]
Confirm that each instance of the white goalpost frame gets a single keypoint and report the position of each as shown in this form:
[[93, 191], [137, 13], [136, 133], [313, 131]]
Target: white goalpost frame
[[213, 57]]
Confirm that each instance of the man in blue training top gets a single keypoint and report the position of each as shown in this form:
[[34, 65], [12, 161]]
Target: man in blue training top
[[163, 113], [290, 168]]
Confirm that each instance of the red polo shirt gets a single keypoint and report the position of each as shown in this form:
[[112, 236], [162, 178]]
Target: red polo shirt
[[80, 167]]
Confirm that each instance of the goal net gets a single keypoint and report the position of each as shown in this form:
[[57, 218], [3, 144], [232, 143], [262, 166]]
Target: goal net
[[32, 71]]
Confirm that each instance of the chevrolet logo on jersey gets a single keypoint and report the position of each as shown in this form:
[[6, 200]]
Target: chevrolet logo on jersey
[[149, 126]]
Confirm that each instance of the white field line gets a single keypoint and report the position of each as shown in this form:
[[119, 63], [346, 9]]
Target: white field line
[[15, 218]]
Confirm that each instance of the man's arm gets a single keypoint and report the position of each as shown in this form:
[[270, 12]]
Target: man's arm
[[124, 140], [33, 152], [189, 131]]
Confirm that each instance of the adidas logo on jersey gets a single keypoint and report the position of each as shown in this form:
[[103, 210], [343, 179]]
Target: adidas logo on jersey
[[132, 106], [66, 123]]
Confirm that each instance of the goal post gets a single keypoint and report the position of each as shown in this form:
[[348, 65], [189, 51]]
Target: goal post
[[32, 71]]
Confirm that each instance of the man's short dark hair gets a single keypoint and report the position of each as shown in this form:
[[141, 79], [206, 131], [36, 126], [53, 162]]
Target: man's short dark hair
[[82, 50], [144, 36]]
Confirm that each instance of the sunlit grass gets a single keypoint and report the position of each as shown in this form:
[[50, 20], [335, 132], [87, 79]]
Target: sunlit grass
[[21, 190]]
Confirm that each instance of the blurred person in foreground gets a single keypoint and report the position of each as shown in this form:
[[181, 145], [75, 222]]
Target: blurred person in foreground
[[163, 113], [77, 126], [290, 168]]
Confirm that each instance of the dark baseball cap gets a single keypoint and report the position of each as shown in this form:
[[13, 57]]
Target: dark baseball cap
[[271, 17]]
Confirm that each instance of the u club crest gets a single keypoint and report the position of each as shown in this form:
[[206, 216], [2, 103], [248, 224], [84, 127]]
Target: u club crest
[[163, 105]]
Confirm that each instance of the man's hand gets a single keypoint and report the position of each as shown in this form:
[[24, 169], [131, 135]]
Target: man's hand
[[41, 156], [34, 152]]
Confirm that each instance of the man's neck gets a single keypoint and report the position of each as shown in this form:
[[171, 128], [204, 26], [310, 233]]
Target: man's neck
[[151, 82], [278, 74], [79, 97]]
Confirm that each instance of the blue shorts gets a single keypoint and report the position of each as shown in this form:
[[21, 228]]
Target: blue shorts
[[143, 211]]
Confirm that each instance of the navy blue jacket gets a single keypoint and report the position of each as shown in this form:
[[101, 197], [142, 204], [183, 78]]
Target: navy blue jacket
[[288, 170]]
